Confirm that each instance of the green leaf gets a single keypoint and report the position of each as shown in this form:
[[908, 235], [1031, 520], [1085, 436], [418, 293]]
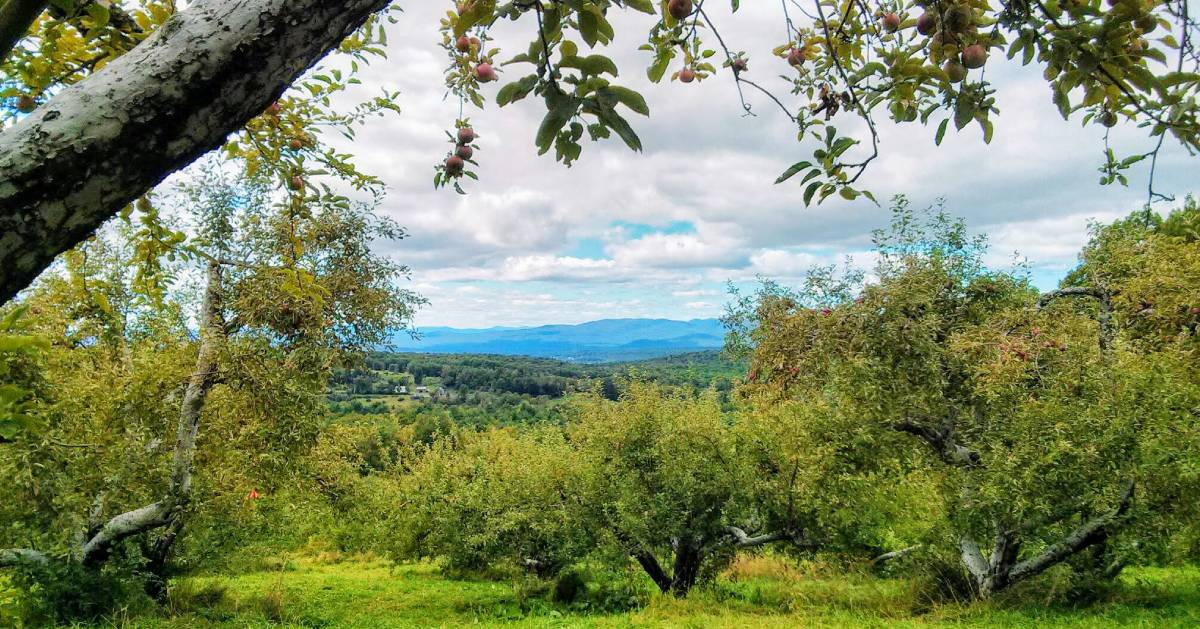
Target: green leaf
[[627, 97], [618, 124], [516, 90], [591, 64], [941, 132], [792, 170], [810, 191]]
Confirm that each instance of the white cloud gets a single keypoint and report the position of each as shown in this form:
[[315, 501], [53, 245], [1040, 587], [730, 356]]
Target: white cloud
[[505, 253]]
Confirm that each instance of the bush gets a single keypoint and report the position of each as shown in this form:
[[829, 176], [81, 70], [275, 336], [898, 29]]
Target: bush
[[65, 592], [569, 587]]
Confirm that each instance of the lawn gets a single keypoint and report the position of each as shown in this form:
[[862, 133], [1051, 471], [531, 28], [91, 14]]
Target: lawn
[[309, 593]]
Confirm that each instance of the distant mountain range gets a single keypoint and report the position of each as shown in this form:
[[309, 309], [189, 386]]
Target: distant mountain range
[[606, 340]]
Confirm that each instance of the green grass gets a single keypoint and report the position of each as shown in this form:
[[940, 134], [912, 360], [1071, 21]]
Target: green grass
[[374, 594]]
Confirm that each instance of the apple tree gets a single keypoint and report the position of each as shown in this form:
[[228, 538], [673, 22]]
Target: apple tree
[[1062, 439]]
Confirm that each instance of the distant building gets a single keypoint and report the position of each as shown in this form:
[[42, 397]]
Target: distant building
[[401, 390], [421, 392]]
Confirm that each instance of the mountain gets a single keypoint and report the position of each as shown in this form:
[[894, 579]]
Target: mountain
[[605, 340]]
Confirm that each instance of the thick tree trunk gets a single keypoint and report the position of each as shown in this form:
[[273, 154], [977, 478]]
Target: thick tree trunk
[[97, 145], [688, 557]]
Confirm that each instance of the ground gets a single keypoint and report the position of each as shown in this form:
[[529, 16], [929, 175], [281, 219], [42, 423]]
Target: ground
[[374, 594]]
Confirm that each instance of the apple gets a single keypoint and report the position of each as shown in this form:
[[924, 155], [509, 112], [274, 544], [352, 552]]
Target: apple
[[274, 109], [739, 65], [1108, 118], [926, 23], [466, 135], [463, 44], [297, 182], [795, 57], [485, 72], [954, 71], [891, 22], [974, 56], [464, 151], [26, 104], [687, 75], [454, 165], [296, 144], [679, 9]]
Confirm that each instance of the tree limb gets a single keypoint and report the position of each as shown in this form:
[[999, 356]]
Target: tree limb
[[1089, 533], [743, 540], [98, 145], [650, 564], [942, 441], [16, 16], [1099, 294], [895, 554], [179, 491], [16, 557]]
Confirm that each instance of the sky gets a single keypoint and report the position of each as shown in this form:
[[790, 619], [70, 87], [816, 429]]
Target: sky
[[661, 233]]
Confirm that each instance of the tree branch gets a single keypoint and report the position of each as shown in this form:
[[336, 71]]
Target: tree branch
[[1089, 533], [166, 511], [942, 441], [17, 557], [98, 145], [16, 16], [649, 563], [1099, 294]]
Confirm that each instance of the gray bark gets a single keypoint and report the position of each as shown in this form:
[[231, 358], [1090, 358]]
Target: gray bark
[[15, 557], [99, 144]]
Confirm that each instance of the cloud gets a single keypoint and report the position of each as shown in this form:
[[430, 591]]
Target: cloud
[[658, 233]]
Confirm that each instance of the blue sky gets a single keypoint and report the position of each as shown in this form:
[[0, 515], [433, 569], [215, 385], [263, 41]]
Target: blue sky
[[661, 233]]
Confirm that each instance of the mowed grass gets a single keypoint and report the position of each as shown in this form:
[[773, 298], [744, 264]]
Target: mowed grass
[[757, 593]]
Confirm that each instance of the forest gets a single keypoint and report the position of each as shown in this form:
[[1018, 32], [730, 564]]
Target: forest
[[201, 424]]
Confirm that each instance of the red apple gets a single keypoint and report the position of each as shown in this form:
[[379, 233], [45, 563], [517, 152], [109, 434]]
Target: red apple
[[26, 104], [795, 57], [274, 109], [679, 9], [739, 65], [891, 22], [454, 165], [297, 182], [926, 23], [296, 144], [485, 72], [974, 56], [464, 151], [466, 135], [687, 75], [463, 44]]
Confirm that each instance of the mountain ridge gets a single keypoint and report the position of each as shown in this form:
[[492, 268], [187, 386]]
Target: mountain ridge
[[602, 340]]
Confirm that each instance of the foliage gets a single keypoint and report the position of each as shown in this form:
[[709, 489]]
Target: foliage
[[1044, 425]]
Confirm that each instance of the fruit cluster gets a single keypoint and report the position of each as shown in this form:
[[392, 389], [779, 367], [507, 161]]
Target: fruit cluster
[[463, 151], [954, 39]]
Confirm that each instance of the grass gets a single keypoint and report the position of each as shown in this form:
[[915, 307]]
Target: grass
[[754, 593]]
